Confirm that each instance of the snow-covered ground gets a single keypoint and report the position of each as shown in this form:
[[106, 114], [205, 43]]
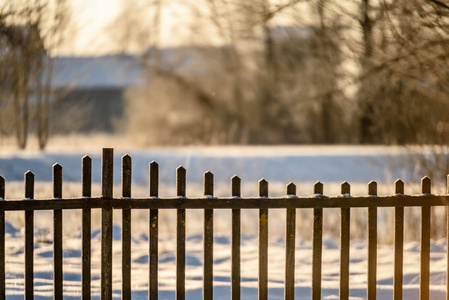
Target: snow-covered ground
[[279, 165]]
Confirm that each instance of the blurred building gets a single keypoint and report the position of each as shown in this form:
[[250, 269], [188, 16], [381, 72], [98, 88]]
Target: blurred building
[[89, 91]]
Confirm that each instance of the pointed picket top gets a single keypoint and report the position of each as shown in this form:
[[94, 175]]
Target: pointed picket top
[[345, 188], [154, 179], [318, 188], [291, 189], [208, 183], [372, 188], [181, 181], [263, 188], [399, 187], [86, 175], [57, 167], [29, 185], [2, 188], [57, 180], [426, 185], [126, 158], [126, 175], [236, 186]]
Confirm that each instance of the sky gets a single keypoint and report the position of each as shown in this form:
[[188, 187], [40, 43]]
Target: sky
[[91, 18]]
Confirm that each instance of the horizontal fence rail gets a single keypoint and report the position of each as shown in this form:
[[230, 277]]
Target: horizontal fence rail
[[318, 201]]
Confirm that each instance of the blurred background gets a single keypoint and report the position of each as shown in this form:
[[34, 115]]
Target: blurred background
[[217, 72]]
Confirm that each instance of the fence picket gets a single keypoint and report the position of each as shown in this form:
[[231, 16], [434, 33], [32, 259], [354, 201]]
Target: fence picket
[[154, 233], [208, 287], [181, 235], [29, 237], [345, 223], [425, 243], [263, 243], [290, 235], [447, 241], [57, 234], [398, 243], [317, 245], [235, 243], [86, 179], [2, 242], [372, 244], [106, 224], [126, 228]]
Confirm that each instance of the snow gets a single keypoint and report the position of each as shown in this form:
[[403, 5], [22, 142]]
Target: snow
[[279, 165]]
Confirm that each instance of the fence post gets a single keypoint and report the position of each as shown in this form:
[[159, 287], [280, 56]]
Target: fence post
[[290, 241], [86, 179], [106, 223], [398, 243], [235, 243], [180, 235], [372, 244], [154, 232], [263, 243], [208, 284], [126, 228], [57, 234], [317, 245], [2, 242], [29, 237], [345, 237], [425, 242]]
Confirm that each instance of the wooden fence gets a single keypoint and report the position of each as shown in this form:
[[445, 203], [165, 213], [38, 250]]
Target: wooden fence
[[263, 202]]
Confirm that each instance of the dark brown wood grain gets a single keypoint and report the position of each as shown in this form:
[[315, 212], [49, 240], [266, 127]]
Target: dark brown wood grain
[[106, 224], [424, 279], [126, 228], [180, 235], [57, 234], [208, 287], [263, 243], [235, 241], [86, 182], [372, 244], [154, 233], [398, 243], [345, 221], [290, 240], [29, 237]]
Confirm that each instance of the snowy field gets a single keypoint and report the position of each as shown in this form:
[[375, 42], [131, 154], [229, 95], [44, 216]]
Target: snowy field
[[279, 165]]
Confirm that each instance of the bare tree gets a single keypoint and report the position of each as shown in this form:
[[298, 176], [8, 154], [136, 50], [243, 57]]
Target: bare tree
[[29, 33]]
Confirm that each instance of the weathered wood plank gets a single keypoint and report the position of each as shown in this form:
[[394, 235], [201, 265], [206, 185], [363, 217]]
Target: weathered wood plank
[[425, 243], [290, 241], [86, 179], [181, 235], [106, 224], [225, 203], [57, 234], [263, 243], [208, 276], [235, 240], [372, 244], [317, 245], [29, 238], [345, 223], [398, 243], [126, 228], [154, 233]]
